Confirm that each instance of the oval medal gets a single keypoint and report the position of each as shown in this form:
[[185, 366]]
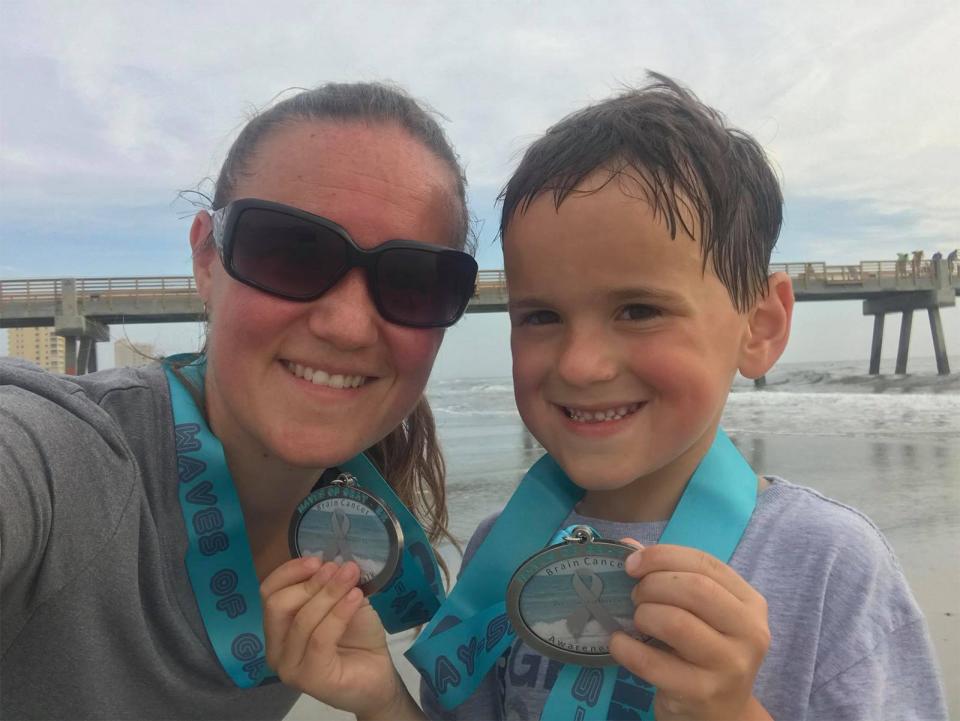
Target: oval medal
[[568, 599], [342, 522]]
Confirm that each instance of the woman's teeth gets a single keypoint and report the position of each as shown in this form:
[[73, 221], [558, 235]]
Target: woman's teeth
[[611, 414], [322, 378]]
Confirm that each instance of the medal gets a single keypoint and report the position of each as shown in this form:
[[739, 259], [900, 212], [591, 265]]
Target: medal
[[568, 600], [342, 522], [472, 629]]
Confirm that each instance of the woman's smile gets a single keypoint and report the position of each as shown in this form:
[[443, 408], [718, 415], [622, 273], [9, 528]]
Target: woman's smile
[[320, 377]]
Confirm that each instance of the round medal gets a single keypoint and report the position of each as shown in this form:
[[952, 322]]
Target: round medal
[[342, 522], [568, 599]]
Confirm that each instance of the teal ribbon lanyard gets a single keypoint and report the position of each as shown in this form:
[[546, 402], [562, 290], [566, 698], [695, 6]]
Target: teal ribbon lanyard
[[455, 651], [471, 630], [219, 561], [415, 592]]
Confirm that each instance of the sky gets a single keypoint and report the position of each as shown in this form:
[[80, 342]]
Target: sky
[[109, 109]]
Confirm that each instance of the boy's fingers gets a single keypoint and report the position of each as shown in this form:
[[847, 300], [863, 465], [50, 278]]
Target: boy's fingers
[[315, 612], [666, 557], [688, 636], [291, 572], [693, 592], [669, 673]]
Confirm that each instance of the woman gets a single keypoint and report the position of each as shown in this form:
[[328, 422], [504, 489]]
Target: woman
[[304, 368]]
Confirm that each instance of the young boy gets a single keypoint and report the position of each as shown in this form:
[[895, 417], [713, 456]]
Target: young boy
[[637, 235]]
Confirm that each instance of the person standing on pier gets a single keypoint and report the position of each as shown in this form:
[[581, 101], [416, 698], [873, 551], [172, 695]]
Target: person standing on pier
[[329, 264], [917, 263]]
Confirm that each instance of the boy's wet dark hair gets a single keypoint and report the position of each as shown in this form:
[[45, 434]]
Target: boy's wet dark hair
[[694, 170]]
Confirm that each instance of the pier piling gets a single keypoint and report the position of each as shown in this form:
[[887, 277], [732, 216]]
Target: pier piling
[[903, 349], [940, 294], [877, 344], [939, 342]]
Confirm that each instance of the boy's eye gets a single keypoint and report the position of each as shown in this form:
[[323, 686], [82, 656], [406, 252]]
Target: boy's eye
[[539, 317], [639, 312]]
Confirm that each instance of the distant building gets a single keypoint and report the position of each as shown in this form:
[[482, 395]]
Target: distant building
[[127, 354], [38, 345]]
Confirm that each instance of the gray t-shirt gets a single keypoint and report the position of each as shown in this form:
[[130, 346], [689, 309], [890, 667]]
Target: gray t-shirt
[[98, 619], [848, 639]]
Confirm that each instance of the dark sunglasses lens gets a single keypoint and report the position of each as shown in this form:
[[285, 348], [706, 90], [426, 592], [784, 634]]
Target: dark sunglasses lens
[[286, 255], [423, 288]]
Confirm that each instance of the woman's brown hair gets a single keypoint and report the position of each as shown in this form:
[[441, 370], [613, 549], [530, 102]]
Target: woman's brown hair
[[409, 457]]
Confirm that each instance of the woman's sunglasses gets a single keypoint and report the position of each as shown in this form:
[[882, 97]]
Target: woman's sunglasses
[[299, 256]]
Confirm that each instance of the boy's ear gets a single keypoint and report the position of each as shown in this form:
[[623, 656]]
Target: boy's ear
[[204, 253], [768, 327]]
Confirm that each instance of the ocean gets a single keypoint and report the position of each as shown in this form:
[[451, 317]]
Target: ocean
[[864, 440], [887, 445]]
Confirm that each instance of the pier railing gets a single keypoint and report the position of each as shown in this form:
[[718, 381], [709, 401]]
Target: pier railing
[[82, 309], [812, 277], [857, 274], [51, 289]]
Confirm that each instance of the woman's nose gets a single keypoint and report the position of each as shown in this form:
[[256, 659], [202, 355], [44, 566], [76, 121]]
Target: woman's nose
[[345, 315]]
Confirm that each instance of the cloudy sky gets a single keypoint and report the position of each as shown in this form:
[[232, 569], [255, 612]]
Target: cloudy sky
[[109, 109]]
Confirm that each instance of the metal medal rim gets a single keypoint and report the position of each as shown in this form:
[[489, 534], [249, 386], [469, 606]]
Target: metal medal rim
[[520, 579], [394, 530]]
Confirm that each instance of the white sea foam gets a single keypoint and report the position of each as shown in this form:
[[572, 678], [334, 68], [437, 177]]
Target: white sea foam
[[842, 414], [466, 411], [469, 387]]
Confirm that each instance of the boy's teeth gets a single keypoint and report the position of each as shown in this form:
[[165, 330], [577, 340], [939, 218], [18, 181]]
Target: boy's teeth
[[322, 378], [611, 414]]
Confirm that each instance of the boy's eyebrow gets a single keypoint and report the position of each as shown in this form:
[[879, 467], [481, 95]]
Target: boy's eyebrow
[[644, 293], [637, 293]]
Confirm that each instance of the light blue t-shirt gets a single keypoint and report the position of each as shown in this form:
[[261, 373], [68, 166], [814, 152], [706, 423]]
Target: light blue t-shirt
[[848, 639]]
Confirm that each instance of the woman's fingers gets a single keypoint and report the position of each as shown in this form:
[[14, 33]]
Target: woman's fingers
[[289, 573], [281, 606], [328, 634], [317, 610]]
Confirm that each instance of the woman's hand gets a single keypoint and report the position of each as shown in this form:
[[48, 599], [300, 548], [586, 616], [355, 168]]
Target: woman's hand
[[324, 638], [713, 625]]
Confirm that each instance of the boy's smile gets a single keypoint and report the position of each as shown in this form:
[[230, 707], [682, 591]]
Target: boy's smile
[[624, 347]]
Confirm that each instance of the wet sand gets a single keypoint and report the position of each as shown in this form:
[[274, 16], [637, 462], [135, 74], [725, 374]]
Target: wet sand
[[910, 488]]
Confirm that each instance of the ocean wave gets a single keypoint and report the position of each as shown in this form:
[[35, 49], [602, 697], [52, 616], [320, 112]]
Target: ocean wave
[[851, 378], [842, 414], [480, 412], [470, 387]]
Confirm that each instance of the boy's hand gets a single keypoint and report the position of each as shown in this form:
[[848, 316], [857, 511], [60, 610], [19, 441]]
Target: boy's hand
[[324, 638], [715, 625]]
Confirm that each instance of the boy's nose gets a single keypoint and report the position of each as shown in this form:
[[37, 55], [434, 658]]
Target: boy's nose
[[345, 315], [586, 358]]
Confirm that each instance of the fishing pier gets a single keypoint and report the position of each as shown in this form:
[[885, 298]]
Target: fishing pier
[[82, 309]]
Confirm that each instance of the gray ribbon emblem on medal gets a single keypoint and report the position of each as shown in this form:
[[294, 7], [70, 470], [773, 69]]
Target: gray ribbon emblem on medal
[[339, 546], [590, 606]]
